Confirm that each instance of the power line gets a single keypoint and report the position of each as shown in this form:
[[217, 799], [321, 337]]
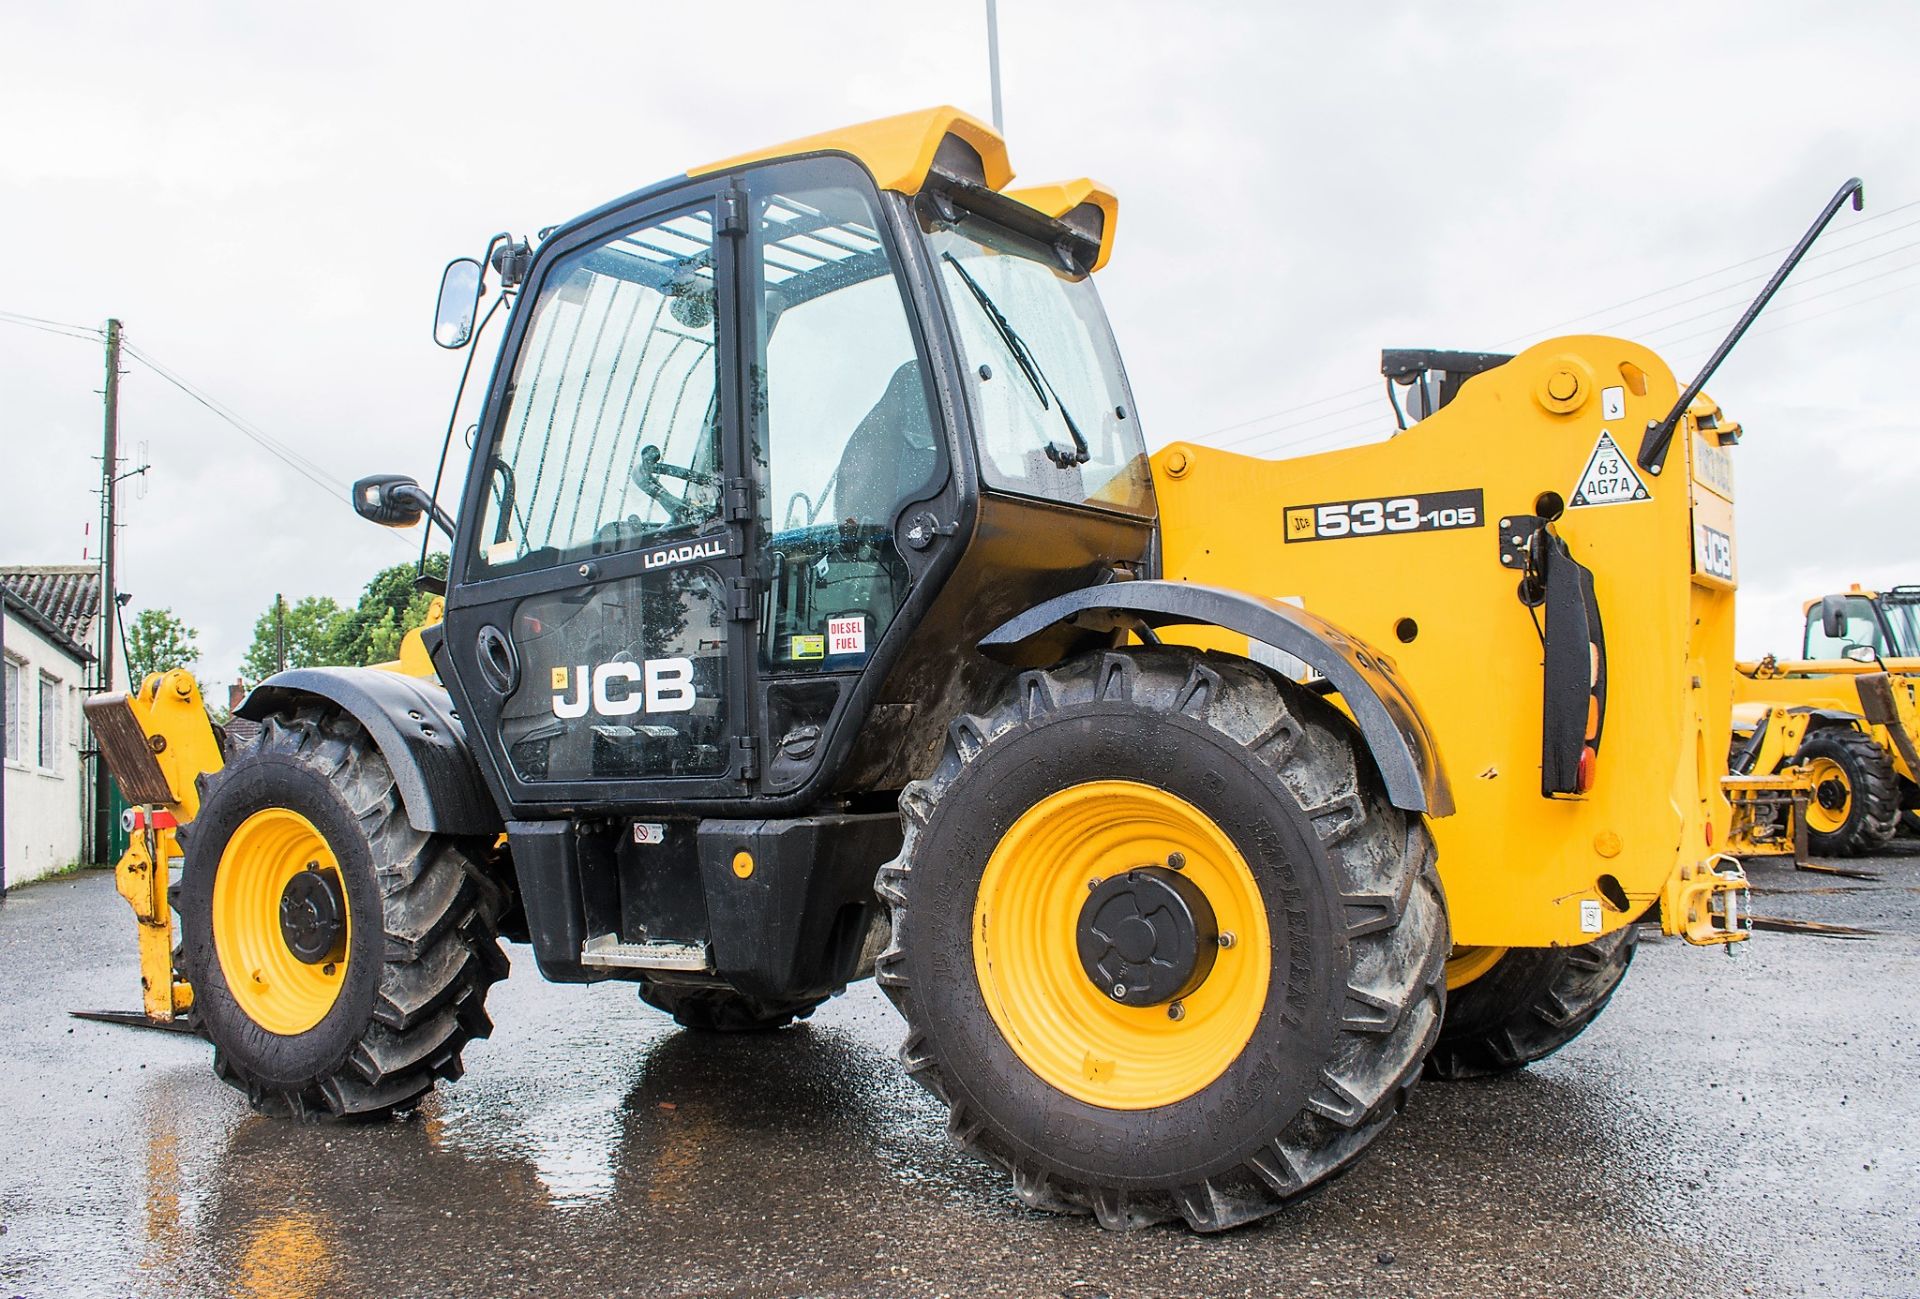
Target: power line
[[335, 488], [59, 327], [1377, 423], [295, 461], [1538, 334]]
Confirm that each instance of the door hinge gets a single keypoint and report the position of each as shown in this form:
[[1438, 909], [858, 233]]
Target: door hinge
[[743, 599], [737, 499], [733, 212], [746, 757]]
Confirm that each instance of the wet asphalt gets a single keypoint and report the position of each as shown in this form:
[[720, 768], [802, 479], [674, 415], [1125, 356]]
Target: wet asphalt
[[1730, 1126]]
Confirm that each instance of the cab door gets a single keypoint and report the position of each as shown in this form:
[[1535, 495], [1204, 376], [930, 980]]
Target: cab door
[[597, 611]]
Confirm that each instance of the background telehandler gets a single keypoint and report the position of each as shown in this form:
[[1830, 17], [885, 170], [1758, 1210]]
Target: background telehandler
[[1845, 716], [816, 612]]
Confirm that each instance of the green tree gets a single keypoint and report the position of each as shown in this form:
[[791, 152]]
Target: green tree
[[389, 606], [313, 628], [159, 642]]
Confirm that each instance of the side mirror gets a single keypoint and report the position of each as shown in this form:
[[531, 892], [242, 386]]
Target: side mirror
[[1860, 654], [1833, 616], [459, 302], [390, 500]]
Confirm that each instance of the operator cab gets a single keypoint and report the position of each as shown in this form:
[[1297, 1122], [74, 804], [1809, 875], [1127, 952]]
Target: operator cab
[[1887, 623], [767, 449]]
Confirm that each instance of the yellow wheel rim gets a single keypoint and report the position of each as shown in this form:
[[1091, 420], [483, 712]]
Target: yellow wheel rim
[[1826, 774], [1071, 1033], [1465, 964], [278, 991]]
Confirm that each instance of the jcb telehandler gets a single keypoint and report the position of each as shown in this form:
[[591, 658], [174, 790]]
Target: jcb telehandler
[[1845, 717], [816, 612]]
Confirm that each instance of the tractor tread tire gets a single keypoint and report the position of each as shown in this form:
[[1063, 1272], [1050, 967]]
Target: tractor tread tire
[[439, 955], [1529, 1005], [1383, 878], [1875, 789], [724, 1010]]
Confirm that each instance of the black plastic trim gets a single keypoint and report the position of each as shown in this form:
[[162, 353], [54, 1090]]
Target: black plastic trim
[[413, 724], [1381, 704]]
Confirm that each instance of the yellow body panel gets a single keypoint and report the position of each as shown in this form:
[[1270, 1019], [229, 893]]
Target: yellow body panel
[[1517, 866], [1068, 197], [897, 150]]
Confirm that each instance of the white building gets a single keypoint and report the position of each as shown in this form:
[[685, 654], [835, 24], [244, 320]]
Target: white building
[[48, 620]]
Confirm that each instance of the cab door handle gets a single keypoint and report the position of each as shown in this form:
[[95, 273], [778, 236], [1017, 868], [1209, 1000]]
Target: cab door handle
[[499, 661]]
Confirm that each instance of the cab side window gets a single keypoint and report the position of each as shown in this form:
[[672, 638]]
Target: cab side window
[[1862, 629], [845, 435], [610, 438]]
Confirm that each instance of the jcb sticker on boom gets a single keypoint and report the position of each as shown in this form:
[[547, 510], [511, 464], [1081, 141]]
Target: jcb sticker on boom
[[1386, 515]]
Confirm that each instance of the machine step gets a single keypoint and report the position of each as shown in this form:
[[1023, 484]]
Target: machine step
[[657, 954]]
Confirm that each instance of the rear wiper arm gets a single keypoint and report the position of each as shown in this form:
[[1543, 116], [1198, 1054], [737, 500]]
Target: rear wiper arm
[[1029, 367]]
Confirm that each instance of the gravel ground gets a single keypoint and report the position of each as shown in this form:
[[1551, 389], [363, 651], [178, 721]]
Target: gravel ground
[[1732, 1125]]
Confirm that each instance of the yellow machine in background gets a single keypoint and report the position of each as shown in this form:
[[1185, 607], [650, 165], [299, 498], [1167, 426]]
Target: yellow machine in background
[[1842, 721], [159, 743]]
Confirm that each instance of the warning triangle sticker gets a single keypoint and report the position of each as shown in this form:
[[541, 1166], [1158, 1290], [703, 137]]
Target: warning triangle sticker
[[1609, 478]]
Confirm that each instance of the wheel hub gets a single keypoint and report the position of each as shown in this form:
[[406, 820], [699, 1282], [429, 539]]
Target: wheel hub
[[1147, 936], [1832, 794], [313, 914]]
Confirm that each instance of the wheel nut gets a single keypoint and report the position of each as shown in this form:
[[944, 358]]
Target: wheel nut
[[1092, 885], [1176, 1011], [1176, 861], [1119, 991], [1227, 939]]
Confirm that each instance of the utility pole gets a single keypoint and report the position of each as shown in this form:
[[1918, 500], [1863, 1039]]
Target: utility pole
[[109, 603], [993, 61], [279, 632]]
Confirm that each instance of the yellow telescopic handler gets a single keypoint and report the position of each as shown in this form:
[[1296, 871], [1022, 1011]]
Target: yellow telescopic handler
[[1840, 725], [816, 612]]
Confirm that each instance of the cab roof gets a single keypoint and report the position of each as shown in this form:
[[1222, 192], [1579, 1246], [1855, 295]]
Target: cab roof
[[930, 146]]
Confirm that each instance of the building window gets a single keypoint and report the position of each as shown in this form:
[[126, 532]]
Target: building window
[[16, 722], [49, 722]]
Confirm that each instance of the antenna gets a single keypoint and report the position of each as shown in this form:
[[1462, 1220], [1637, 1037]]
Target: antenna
[[993, 62]]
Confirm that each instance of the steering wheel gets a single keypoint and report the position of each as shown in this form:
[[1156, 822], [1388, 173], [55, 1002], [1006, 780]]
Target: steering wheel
[[688, 506]]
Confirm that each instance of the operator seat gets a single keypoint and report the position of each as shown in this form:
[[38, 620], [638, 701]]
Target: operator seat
[[889, 455]]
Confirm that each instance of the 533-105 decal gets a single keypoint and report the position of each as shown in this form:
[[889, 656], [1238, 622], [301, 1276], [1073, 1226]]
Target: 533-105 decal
[[1386, 515]]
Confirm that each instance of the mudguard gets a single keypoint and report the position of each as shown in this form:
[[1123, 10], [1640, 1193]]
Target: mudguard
[[1389, 720], [413, 724]]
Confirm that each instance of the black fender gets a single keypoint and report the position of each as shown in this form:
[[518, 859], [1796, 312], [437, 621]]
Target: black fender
[[412, 723], [1381, 704], [1830, 716]]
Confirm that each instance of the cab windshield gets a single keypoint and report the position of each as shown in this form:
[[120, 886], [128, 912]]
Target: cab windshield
[[1050, 398]]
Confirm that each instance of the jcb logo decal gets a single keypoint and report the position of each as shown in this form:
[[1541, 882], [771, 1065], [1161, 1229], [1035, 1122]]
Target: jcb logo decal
[[624, 688]]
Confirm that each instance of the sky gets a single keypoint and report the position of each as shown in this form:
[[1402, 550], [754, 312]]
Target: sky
[[265, 195]]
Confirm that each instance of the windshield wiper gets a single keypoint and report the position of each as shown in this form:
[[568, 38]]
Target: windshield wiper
[[1036, 377]]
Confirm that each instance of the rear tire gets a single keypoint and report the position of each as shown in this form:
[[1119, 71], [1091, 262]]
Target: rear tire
[[1855, 807], [1528, 1004], [723, 1010], [1268, 1086], [388, 1013]]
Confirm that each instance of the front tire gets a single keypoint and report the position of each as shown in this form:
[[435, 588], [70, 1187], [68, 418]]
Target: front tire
[[1263, 1075], [1855, 808], [339, 958], [1521, 1004]]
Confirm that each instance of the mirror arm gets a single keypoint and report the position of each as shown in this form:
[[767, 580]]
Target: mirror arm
[[415, 494]]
